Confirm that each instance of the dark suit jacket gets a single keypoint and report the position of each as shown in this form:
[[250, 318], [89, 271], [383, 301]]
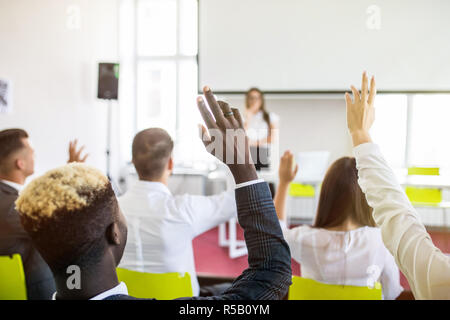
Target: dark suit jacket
[[269, 258], [14, 239]]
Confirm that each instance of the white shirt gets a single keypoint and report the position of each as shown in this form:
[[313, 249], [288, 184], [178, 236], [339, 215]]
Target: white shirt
[[357, 257], [257, 128], [425, 266], [161, 227], [14, 185], [121, 288]]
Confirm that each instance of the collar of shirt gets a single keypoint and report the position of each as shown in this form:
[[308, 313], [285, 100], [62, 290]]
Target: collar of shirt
[[121, 288], [14, 185], [248, 183], [152, 186]]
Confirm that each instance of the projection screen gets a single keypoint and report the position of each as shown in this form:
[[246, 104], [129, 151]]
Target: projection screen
[[322, 46]]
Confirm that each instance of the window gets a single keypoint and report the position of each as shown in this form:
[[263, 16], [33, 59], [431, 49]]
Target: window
[[157, 28], [430, 132], [389, 129], [166, 70], [414, 134]]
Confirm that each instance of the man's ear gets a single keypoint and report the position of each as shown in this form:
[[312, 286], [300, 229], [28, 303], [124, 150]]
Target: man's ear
[[113, 234], [19, 164], [170, 164]]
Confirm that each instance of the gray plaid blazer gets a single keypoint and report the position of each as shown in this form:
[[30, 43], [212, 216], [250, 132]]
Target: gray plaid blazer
[[269, 273]]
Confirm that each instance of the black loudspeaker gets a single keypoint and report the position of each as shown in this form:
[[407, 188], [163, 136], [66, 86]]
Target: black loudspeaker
[[108, 81]]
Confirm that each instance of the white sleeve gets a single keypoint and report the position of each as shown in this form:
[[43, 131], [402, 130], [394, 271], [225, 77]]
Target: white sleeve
[[425, 266], [248, 183], [206, 212], [274, 119], [294, 239], [390, 278]]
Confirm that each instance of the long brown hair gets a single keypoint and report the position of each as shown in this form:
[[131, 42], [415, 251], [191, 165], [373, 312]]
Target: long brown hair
[[262, 108], [342, 198]]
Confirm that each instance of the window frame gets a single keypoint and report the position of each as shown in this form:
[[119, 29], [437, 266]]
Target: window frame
[[178, 58]]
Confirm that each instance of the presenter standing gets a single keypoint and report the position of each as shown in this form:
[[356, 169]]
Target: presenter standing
[[262, 130]]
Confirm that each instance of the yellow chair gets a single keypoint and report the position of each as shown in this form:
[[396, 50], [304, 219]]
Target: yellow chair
[[428, 197], [301, 190], [423, 171], [12, 278], [308, 289], [423, 196], [161, 286]]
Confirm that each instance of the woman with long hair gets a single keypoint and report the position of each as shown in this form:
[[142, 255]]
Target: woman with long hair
[[343, 246], [261, 127]]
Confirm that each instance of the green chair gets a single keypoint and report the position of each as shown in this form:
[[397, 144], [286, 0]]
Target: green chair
[[308, 289], [12, 278], [161, 286]]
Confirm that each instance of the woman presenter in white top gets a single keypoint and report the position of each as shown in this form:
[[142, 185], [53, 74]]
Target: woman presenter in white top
[[261, 127]]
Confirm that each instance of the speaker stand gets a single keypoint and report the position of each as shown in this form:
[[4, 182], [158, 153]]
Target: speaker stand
[[114, 185], [108, 140]]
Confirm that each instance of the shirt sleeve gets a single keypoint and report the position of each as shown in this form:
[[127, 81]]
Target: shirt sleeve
[[390, 278], [206, 212], [248, 183], [274, 119], [294, 239], [425, 266]]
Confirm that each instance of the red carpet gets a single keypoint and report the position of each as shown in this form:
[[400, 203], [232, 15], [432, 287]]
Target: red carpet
[[210, 259]]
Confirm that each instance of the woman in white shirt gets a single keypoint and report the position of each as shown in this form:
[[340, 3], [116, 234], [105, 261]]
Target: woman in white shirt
[[343, 246], [425, 266], [261, 127]]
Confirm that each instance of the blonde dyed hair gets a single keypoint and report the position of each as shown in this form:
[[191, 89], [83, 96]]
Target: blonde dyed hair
[[67, 188]]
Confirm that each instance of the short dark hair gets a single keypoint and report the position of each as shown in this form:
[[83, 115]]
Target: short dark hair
[[10, 142], [151, 150], [341, 197], [66, 213]]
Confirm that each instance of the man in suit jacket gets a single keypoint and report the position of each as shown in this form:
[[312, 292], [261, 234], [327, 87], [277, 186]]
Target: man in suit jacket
[[16, 164], [74, 219]]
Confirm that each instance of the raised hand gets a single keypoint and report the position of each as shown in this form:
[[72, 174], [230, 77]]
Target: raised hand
[[226, 138], [287, 171], [74, 154], [360, 111]]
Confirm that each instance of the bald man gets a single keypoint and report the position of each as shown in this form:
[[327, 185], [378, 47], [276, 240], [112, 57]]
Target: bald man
[[162, 225]]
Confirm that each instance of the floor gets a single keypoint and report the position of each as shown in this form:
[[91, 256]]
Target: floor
[[212, 260]]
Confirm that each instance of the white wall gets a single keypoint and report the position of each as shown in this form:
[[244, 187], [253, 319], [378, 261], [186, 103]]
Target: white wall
[[50, 53]]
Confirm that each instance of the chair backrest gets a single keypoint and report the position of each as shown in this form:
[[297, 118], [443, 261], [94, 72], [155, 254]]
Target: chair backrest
[[161, 286], [301, 190], [426, 196], [423, 196], [423, 171], [308, 289], [12, 278]]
